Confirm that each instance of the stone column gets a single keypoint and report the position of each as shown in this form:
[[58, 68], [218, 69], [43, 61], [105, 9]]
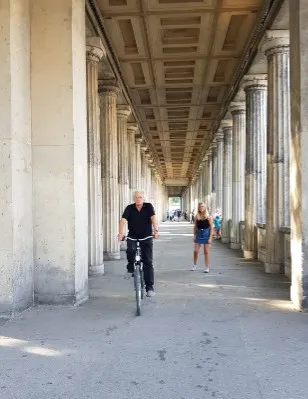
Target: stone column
[[123, 112], [276, 48], [191, 195], [138, 162], [210, 180], [220, 156], [255, 174], [16, 206], [201, 183], [95, 52], [214, 176], [205, 185], [131, 131], [238, 170], [298, 154], [59, 150], [226, 126], [108, 91], [143, 168]]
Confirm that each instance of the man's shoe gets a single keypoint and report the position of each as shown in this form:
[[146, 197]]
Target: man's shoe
[[150, 293]]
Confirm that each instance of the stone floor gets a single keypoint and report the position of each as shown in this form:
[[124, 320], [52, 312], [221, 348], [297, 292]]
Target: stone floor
[[230, 334]]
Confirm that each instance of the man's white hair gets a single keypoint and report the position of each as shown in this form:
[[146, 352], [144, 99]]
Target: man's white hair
[[138, 192]]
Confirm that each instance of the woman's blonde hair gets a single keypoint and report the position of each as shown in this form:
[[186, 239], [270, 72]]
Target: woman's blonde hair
[[201, 215]]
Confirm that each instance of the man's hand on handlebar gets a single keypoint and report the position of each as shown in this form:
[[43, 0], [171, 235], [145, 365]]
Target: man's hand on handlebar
[[121, 237]]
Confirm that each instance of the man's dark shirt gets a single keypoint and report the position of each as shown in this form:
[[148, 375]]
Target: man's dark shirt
[[139, 222]]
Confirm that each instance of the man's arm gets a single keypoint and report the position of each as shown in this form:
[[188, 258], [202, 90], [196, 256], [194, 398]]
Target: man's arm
[[155, 226], [121, 228]]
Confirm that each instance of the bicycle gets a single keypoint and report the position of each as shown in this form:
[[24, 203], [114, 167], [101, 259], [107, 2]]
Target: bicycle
[[138, 273]]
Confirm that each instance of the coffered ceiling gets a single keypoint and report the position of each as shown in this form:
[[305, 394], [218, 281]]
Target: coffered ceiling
[[177, 58]]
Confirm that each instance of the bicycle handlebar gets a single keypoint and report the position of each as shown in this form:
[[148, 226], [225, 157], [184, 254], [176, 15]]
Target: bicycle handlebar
[[138, 239]]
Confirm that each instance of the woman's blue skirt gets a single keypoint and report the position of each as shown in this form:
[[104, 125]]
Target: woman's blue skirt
[[202, 236]]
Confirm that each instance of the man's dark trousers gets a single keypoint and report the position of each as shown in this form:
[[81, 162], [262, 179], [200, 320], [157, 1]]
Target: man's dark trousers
[[147, 258]]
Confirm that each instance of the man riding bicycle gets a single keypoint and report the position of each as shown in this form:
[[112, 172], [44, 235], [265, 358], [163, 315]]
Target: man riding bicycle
[[141, 218]]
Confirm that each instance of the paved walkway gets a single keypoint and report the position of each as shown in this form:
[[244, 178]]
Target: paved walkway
[[231, 334]]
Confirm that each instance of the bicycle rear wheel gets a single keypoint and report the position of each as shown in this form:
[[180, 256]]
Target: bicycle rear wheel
[[138, 288]]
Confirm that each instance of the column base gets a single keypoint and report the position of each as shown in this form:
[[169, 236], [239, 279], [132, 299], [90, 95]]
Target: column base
[[98, 269], [112, 255], [62, 299], [300, 302], [123, 246], [225, 240], [235, 245], [272, 268], [249, 254]]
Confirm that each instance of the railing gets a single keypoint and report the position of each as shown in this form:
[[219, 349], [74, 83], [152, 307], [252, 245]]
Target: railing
[[242, 235], [286, 244], [285, 240], [261, 241]]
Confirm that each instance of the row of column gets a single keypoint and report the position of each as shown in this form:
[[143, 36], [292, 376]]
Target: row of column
[[263, 167], [119, 163], [236, 176], [62, 190]]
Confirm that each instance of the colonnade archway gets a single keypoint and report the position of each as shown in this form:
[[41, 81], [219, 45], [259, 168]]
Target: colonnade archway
[[99, 100]]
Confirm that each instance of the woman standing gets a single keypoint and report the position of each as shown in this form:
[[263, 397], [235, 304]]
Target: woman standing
[[203, 231]]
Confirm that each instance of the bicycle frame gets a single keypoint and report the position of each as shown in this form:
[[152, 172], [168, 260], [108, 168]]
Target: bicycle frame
[[138, 273]]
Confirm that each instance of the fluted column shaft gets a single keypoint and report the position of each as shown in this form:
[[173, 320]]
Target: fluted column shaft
[[278, 146], [227, 182], [220, 155], [109, 148], [238, 170], [138, 162], [205, 185], [210, 181], [298, 152], [143, 171], [95, 52], [132, 168], [214, 177], [123, 112], [255, 170]]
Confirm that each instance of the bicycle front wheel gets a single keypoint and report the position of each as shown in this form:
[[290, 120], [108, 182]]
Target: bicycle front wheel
[[137, 278]]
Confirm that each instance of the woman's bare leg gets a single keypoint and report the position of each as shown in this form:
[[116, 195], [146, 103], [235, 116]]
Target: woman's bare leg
[[196, 252], [206, 254]]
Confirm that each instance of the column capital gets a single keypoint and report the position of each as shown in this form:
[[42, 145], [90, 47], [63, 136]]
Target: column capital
[[276, 41], [213, 145], [108, 86], [139, 140], [237, 107], [132, 128], [257, 82], [95, 50], [219, 135], [123, 111], [226, 124]]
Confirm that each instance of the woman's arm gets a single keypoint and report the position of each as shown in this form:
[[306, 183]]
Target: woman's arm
[[195, 228], [211, 228]]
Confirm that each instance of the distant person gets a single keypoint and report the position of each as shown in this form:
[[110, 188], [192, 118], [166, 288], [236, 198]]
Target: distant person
[[179, 213], [203, 231], [217, 226], [192, 216]]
